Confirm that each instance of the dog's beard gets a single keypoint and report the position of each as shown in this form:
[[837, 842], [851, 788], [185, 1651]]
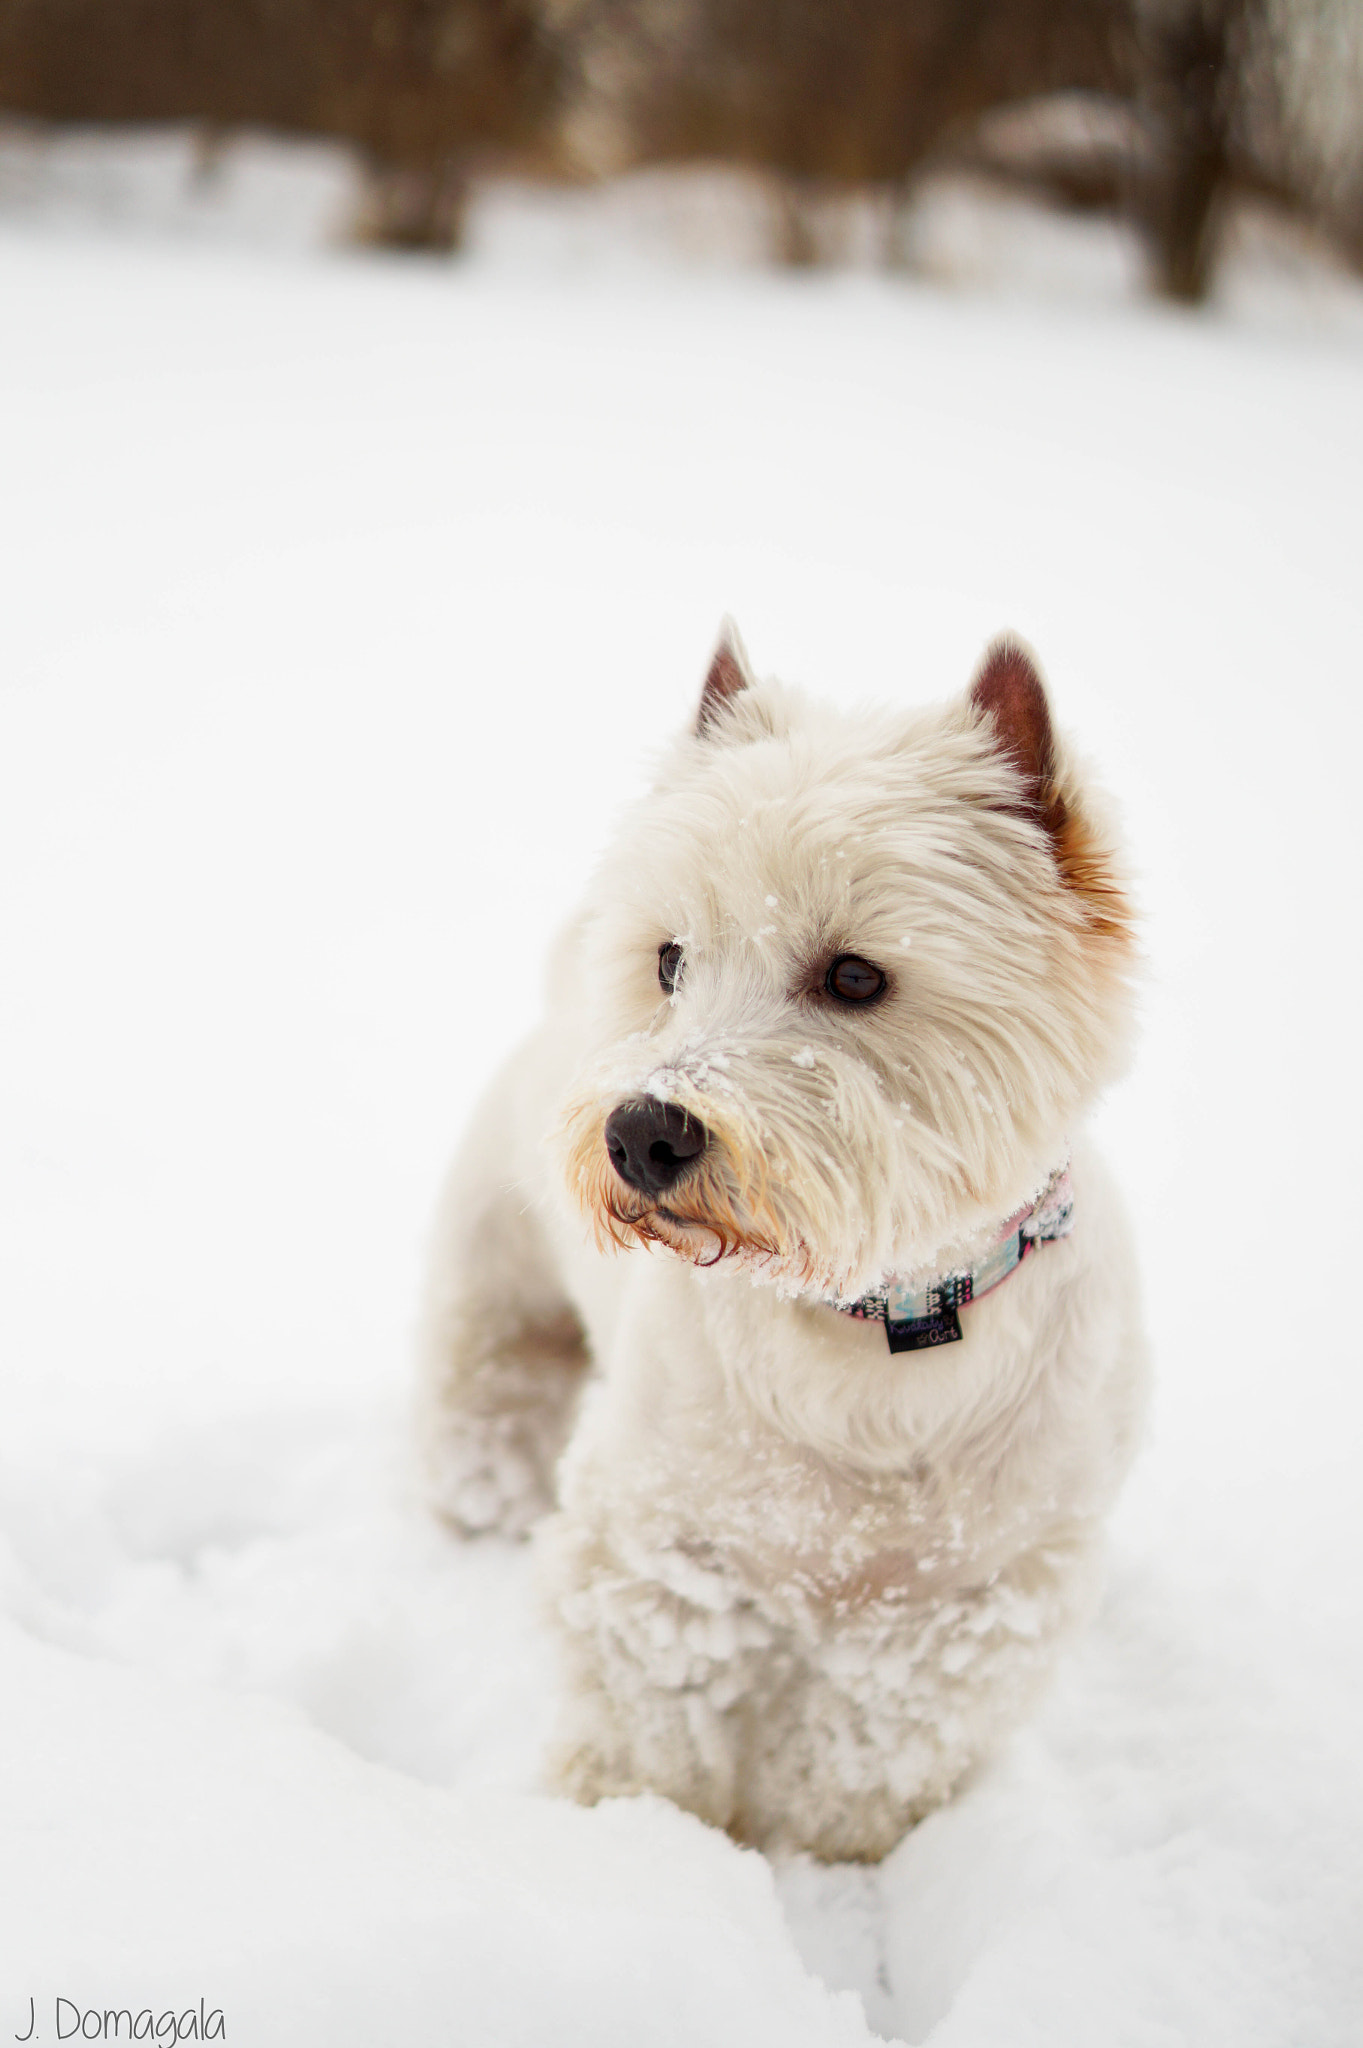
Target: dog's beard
[[723, 1208]]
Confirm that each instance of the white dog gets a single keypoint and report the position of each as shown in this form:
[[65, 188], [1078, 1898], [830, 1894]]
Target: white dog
[[842, 1425]]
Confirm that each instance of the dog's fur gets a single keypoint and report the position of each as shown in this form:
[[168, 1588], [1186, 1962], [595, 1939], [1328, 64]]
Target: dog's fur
[[802, 1583]]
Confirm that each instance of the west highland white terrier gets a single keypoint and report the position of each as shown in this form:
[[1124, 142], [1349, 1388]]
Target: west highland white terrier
[[830, 1446]]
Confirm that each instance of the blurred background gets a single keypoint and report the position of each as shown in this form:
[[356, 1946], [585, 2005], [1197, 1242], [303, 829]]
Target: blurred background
[[1173, 116], [394, 394]]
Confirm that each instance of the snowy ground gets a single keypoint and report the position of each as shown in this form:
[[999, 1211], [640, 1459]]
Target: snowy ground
[[343, 599]]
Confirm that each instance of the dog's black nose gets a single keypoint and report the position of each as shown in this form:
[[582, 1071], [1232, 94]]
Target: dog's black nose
[[651, 1144]]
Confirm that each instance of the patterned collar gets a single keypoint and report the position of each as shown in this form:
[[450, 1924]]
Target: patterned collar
[[920, 1318]]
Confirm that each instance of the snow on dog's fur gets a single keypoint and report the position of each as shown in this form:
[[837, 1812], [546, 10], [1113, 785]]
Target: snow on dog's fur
[[841, 994]]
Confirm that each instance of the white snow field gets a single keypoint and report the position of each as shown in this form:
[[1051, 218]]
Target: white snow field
[[343, 600]]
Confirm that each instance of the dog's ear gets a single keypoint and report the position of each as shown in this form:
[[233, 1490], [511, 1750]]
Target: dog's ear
[[1009, 693], [728, 674]]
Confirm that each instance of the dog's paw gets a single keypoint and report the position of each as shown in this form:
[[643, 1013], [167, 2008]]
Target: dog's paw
[[489, 1475], [580, 1771], [590, 1770]]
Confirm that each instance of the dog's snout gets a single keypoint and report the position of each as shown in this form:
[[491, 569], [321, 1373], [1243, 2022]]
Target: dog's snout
[[651, 1143]]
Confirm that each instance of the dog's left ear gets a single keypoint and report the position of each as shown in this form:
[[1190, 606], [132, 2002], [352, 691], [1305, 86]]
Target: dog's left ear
[[1009, 693], [729, 673]]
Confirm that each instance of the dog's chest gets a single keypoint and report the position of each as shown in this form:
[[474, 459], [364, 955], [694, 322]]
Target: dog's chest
[[783, 1447], [781, 1524]]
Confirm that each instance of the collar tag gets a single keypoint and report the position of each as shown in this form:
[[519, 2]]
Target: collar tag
[[924, 1333], [917, 1318]]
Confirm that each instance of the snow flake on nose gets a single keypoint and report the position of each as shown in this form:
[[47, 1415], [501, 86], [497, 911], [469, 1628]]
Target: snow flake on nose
[[772, 902], [694, 1065], [804, 1057]]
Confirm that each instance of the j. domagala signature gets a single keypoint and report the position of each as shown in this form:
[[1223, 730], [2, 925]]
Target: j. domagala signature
[[73, 2022]]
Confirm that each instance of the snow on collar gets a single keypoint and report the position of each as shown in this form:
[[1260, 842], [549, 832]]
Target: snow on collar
[[920, 1318]]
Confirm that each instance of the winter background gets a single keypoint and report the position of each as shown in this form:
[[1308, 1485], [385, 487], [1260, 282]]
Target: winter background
[[343, 600]]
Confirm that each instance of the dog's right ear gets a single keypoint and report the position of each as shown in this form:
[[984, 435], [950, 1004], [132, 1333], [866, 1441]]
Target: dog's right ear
[[729, 673]]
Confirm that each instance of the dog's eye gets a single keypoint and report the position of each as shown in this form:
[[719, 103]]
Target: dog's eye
[[669, 966], [854, 980]]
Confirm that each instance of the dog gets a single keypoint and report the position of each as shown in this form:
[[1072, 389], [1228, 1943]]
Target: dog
[[820, 1460]]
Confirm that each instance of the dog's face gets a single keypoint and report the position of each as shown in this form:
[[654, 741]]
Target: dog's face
[[850, 979]]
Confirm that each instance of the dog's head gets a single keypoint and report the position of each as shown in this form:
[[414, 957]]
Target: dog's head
[[849, 981]]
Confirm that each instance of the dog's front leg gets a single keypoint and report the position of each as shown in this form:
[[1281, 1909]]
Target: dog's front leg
[[662, 1653], [502, 1355]]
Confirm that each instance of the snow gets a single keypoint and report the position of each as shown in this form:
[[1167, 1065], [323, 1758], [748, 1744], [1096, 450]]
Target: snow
[[227, 1849], [344, 600]]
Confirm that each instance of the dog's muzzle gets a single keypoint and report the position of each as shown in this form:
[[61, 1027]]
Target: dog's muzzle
[[651, 1144]]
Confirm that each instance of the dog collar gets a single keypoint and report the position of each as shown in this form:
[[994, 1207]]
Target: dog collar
[[920, 1318]]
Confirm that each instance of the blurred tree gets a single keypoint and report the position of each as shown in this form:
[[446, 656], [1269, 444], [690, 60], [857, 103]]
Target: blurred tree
[[1190, 80], [1185, 100], [1298, 125], [846, 91], [421, 87], [1215, 93], [860, 90]]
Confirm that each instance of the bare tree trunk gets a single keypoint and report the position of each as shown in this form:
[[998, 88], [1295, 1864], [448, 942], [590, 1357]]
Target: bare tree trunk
[[898, 250], [794, 241], [413, 205], [210, 154], [1189, 90]]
